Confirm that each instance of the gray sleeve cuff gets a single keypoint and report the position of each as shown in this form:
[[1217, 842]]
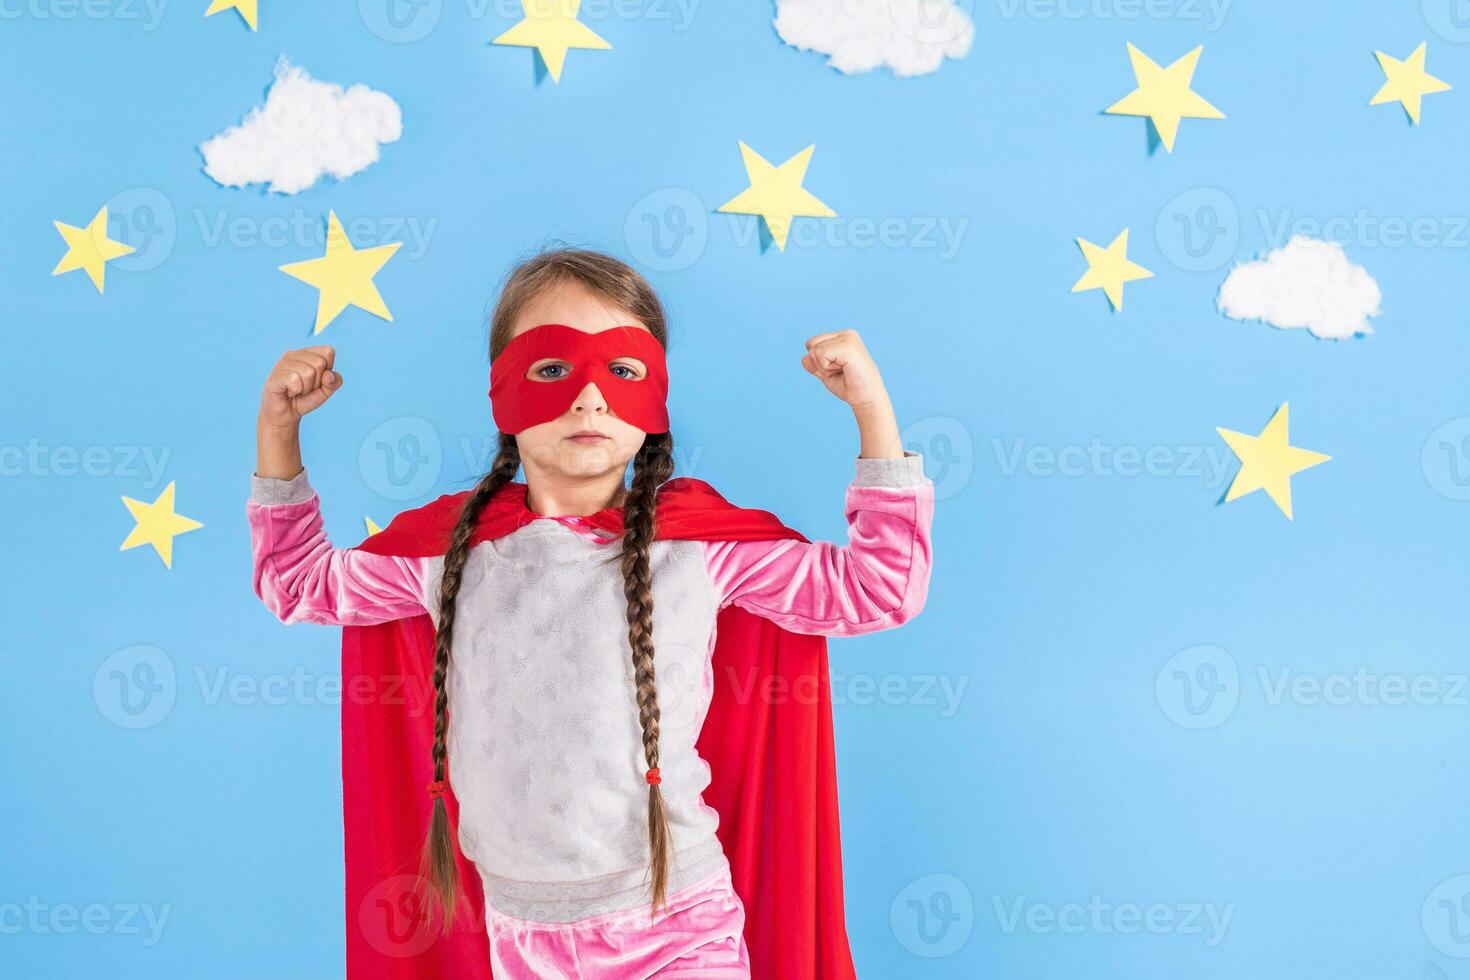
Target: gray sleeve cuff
[[906, 471], [270, 490]]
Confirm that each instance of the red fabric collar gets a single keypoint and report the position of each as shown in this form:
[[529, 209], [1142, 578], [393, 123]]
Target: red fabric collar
[[767, 738], [688, 510]]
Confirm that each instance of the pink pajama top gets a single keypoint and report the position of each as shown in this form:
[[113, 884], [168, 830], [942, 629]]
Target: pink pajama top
[[542, 712]]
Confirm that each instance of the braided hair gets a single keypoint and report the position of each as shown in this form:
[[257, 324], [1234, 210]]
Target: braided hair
[[622, 287]]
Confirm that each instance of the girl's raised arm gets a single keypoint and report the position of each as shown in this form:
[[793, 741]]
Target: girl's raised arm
[[303, 579], [298, 574], [880, 578], [877, 581]]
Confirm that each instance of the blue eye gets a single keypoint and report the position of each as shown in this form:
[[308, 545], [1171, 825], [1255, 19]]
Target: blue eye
[[558, 372]]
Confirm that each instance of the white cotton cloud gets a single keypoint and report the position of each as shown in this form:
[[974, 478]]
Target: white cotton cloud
[[1307, 283], [912, 37], [305, 129]]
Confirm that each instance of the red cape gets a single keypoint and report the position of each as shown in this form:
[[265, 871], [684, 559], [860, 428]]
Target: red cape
[[767, 739]]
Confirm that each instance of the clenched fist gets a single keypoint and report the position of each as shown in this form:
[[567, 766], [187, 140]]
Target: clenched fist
[[842, 362], [301, 382]]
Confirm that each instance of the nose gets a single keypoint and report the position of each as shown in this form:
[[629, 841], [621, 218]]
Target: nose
[[590, 401]]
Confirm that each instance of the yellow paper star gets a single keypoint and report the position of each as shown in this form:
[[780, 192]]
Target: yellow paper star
[[89, 248], [1407, 81], [372, 527], [1267, 462], [552, 28], [157, 525], [1164, 95], [1109, 268], [247, 9], [344, 275], [776, 194]]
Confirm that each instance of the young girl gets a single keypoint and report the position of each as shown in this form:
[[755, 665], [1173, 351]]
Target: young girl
[[575, 764]]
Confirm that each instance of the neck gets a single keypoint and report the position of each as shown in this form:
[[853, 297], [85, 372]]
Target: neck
[[561, 495]]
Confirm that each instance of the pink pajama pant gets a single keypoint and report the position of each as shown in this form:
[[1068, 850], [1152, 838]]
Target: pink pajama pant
[[700, 934]]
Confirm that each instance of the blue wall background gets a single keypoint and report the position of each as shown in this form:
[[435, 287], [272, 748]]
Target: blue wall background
[[1037, 741]]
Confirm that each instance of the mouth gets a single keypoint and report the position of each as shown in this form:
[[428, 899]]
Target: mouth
[[586, 437]]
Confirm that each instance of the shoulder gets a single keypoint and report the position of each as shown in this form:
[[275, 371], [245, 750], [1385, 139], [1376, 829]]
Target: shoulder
[[687, 490], [417, 531], [689, 508]]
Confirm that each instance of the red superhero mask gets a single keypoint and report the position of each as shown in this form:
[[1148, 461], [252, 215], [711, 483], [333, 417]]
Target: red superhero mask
[[519, 402]]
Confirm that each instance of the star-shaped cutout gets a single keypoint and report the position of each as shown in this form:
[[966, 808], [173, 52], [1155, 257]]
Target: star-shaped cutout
[[1164, 95], [1267, 462], [344, 275], [247, 9], [372, 526], [1407, 81], [157, 525], [776, 194], [89, 248], [1109, 268], [552, 28]]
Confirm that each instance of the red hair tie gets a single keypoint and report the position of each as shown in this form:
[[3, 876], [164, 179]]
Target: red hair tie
[[437, 788], [653, 777]]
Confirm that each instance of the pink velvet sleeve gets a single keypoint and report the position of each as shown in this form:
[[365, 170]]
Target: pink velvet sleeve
[[303, 579], [876, 581]]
